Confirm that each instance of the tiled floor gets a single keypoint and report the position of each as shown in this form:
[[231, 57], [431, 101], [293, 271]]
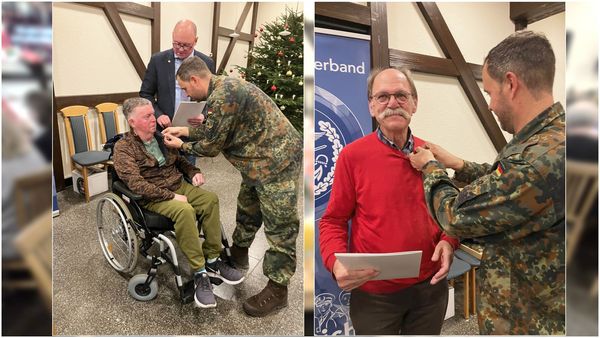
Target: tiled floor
[[90, 298]]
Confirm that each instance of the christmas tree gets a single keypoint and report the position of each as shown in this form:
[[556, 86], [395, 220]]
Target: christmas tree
[[275, 64]]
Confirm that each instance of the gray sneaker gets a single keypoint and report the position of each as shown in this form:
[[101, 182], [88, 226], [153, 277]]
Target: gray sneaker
[[224, 272], [203, 294]]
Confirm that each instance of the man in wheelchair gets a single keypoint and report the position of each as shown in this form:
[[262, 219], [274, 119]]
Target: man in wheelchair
[[155, 172]]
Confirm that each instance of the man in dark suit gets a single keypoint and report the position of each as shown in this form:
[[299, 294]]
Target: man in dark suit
[[159, 85]]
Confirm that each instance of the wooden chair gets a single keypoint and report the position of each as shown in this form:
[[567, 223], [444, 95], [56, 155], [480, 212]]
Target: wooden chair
[[474, 262], [582, 192], [35, 245], [461, 268], [28, 206], [80, 146], [108, 120]]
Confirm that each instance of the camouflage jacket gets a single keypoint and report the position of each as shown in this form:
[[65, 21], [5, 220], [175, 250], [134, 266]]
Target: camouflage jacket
[[248, 127], [516, 208], [140, 171]]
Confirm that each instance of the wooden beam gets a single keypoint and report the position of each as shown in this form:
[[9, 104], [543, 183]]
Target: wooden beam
[[155, 23], [214, 44], [429, 64], [525, 13], [130, 8], [91, 100], [253, 25], [110, 9], [243, 36], [347, 11], [380, 55], [57, 165], [423, 63], [232, 42], [440, 30]]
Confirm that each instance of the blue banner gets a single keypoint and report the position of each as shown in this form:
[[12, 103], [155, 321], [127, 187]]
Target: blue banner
[[342, 66]]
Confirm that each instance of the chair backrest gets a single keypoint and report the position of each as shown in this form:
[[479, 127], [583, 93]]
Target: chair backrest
[[582, 189], [35, 245], [27, 192], [77, 129], [108, 121]]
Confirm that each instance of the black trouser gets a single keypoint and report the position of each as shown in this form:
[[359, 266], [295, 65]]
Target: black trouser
[[419, 309]]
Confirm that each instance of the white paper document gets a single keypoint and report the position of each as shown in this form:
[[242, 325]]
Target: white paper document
[[187, 110], [390, 265]]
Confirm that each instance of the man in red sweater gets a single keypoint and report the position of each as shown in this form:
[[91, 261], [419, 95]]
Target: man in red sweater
[[376, 188]]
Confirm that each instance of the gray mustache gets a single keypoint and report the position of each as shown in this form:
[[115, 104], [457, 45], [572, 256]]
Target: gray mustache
[[398, 111]]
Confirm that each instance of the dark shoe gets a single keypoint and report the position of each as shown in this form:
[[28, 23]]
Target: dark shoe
[[239, 257], [224, 272], [272, 298], [203, 294]]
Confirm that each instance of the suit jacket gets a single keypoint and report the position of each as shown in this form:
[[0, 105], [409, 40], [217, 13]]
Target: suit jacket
[[159, 81]]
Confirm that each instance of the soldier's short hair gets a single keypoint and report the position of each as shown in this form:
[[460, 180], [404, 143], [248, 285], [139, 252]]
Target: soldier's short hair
[[527, 54], [192, 66], [130, 104], [404, 70]]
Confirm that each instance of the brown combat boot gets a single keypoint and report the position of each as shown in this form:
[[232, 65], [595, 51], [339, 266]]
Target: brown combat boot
[[239, 257], [272, 298]]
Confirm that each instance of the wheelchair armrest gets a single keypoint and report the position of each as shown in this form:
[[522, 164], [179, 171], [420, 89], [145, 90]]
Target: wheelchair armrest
[[122, 188]]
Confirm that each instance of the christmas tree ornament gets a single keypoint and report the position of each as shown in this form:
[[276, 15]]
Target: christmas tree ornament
[[290, 61], [300, 83], [285, 31], [300, 56], [292, 40], [294, 97], [259, 73], [289, 73], [273, 88], [282, 108], [280, 53]]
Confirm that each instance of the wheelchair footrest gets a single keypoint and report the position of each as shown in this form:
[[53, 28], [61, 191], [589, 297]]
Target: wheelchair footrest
[[188, 292]]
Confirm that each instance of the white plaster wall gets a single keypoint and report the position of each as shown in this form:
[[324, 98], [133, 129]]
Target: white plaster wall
[[87, 57]]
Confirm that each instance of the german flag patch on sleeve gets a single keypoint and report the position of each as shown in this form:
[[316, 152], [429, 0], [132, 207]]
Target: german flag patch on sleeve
[[499, 169]]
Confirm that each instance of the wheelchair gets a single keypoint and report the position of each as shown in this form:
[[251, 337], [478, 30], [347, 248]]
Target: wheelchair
[[126, 230]]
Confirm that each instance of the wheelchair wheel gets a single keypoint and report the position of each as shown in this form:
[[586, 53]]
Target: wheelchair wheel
[[141, 291], [117, 237]]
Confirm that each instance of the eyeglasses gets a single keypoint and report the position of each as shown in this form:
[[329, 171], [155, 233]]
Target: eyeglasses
[[401, 97], [185, 46]]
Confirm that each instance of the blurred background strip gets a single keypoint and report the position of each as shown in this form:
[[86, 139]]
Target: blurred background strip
[[582, 168], [27, 174]]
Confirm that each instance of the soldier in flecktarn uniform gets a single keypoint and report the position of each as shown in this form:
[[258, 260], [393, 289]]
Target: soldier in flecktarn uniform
[[516, 206], [246, 126]]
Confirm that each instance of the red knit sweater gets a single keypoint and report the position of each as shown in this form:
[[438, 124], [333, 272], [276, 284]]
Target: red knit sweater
[[376, 187]]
